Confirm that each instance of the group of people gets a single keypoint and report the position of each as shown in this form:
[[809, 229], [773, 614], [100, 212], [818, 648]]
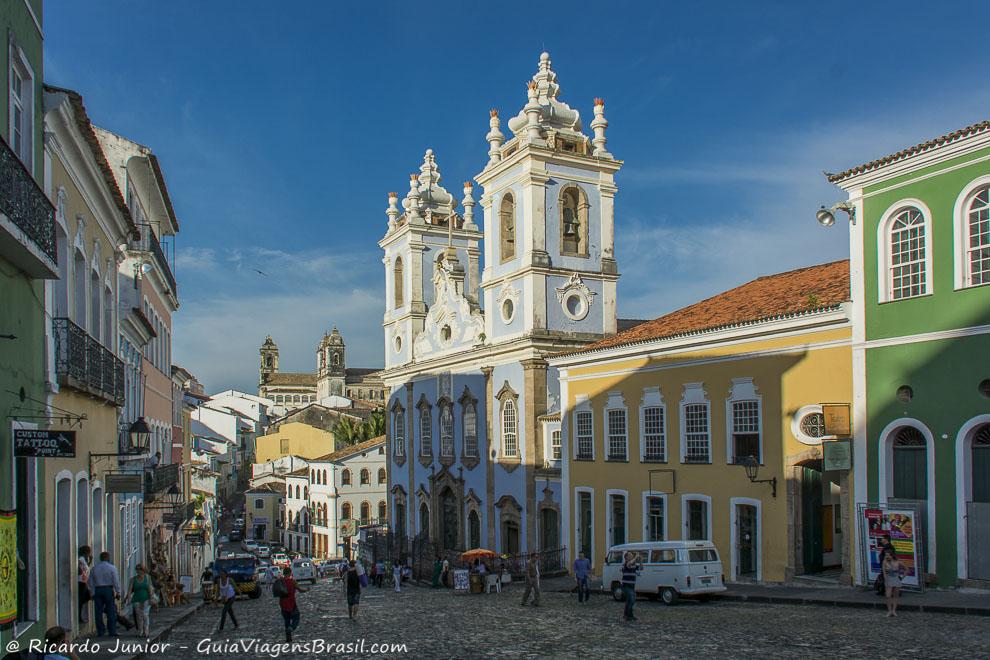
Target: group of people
[[100, 583]]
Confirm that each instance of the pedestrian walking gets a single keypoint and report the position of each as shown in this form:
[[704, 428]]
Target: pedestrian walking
[[228, 595], [893, 571], [141, 595], [630, 569], [104, 580], [445, 573], [437, 569], [582, 569], [374, 573], [85, 559], [532, 581], [287, 588], [206, 583], [397, 575], [380, 573], [352, 582]]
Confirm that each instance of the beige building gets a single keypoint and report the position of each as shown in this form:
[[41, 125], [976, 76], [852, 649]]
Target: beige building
[[264, 509], [294, 439]]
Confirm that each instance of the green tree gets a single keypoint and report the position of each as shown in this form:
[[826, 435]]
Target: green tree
[[346, 432]]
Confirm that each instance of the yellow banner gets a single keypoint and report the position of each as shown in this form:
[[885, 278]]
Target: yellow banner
[[8, 566]]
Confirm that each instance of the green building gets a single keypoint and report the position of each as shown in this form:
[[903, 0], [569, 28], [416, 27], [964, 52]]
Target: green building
[[27, 258], [920, 270]]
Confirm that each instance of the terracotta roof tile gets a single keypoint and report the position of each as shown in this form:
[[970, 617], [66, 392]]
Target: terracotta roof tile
[[347, 452], [798, 291], [287, 378], [910, 151]]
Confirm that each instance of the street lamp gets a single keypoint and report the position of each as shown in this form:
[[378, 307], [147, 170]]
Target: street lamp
[[826, 216], [139, 433], [753, 471]]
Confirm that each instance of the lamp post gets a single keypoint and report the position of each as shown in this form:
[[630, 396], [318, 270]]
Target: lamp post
[[826, 216], [753, 470]]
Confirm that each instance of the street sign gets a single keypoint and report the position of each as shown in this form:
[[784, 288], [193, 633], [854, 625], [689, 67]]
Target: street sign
[[837, 455], [123, 482], [837, 420], [50, 443]]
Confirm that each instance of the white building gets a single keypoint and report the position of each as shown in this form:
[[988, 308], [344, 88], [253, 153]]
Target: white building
[[276, 470], [297, 515]]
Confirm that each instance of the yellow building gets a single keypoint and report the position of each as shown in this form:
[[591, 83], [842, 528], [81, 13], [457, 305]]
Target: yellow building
[[659, 421], [265, 509], [86, 376], [294, 439]]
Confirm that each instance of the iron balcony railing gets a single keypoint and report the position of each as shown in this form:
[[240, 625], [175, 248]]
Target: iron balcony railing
[[85, 364], [151, 243], [159, 479], [25, 203]]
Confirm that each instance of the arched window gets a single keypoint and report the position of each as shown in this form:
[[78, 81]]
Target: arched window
[[507, 227], [907, 267], [474, 530], [470, 430], [977, 239], [79, 289], [381, 476], [365, 513], [399, 433], [910, 465], [381, 511], [425, 431], [510, 445], [297, 491], [398, 282], [446, 430], [305, 493], [345, 511], [573, 222], [345, 477], [324, 477], [365, 477], [108, 306]]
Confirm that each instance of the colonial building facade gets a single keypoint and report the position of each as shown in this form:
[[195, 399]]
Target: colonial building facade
[[466, 350]]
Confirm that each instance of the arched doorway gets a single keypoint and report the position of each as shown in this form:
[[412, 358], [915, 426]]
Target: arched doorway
[[448, 520], [907, 480], [510, 537], [909, 465], [424, 520], [977, 506]]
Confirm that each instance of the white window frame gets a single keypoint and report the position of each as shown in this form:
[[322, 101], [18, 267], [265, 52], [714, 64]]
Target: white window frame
[[647, 495], [652, 398], [799, 434], [694, 394], [742, 389], [611, 492], [448, 410], [507, 404], [583, 405], [616, 403], [556, 444], [399, 432], [19, 61], [686, 521], [960, 233], [425, 410], [470, 448], [577, 521], [733, 537], [883, 249]]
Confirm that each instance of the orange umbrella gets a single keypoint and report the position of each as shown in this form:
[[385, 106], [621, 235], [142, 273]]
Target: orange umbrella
[[477, 553]]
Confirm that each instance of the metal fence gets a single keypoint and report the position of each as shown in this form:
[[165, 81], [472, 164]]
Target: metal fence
[[25, 203], [86, 364]]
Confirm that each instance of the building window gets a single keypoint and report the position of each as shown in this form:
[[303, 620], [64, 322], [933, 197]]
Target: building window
[[345, 511], [696, 519], [470, 429], [446, 430], [510, 445], [21, 108], [746, 430], [507, 227], [698, 441], [813, 425], [259, 503], [398, 282], [555, 444], [655, 514], [382, 478], [399, 433], [381, 512], [474, 529], [365, 477], [654, 438], [573, 222], [977, 245], [907, 244], [585, 435], [345, 478], [617, 519], [617, 435], [425, 431], [365, 513], [585, 523]]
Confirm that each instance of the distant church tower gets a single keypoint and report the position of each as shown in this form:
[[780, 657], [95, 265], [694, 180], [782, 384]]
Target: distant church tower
[[269, 361], [331, 375]]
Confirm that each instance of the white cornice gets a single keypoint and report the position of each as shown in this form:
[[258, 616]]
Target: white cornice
[[925, 336], [543, 154]]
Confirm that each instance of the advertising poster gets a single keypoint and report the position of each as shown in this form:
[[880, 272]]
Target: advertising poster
[[8, 566], [461, 581], [900, 525]]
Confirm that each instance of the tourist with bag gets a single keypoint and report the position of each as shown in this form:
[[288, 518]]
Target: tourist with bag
[[141, 594], [285, 588]]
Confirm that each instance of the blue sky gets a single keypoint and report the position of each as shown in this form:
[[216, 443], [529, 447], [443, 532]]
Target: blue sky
[[281, 127]]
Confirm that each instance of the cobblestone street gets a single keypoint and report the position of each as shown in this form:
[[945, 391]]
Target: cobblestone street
[[444, 624]]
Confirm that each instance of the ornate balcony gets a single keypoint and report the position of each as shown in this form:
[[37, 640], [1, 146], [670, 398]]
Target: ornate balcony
[[150, 243], [27, 219], [160, 479], [85, 364]]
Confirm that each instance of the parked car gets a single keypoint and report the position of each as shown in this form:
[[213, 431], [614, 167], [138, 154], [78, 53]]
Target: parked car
[[280, 559], [249, 546], [236, 535], [671, 569], [303, 569], [263, 551]]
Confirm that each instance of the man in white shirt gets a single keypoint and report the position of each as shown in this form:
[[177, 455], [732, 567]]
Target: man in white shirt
[[104, 581]]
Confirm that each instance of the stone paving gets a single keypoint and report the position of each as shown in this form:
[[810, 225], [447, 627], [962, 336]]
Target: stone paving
[[443, 624]]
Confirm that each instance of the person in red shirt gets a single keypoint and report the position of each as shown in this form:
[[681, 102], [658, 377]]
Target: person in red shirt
[[287, 603]]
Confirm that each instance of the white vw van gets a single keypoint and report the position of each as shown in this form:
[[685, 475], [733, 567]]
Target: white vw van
[[670, 569]]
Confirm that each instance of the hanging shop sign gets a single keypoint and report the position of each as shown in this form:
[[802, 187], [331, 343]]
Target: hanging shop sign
[[902, 526], [8, 566], [348, 527], [51, 443], [837, 419], [837, 455], [119, 482]]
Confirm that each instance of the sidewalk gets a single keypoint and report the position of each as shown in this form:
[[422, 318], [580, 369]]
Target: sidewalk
[[946, 601], [162, 623]]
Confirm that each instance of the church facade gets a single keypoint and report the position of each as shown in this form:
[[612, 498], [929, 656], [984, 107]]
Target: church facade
[[290, 390], [473, 440]]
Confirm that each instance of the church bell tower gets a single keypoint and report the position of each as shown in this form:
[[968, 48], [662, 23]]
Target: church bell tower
[[269, 361]]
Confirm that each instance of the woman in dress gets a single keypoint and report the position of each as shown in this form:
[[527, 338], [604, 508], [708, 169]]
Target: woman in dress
[[140, 595], [893, 571]]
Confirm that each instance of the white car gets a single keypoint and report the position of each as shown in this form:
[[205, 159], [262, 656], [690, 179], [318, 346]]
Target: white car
[[303, 569], [249, 546], [263, 575], [669, 569]]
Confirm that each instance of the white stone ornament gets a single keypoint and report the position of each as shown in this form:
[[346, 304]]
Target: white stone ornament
[[452, 323], [575, 298], [543, 111]]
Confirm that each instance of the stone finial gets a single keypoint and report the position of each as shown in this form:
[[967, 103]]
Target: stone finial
[[468, 203], [393, 210], [533, 112], [598, 125], [412, 208], [494, 137]]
